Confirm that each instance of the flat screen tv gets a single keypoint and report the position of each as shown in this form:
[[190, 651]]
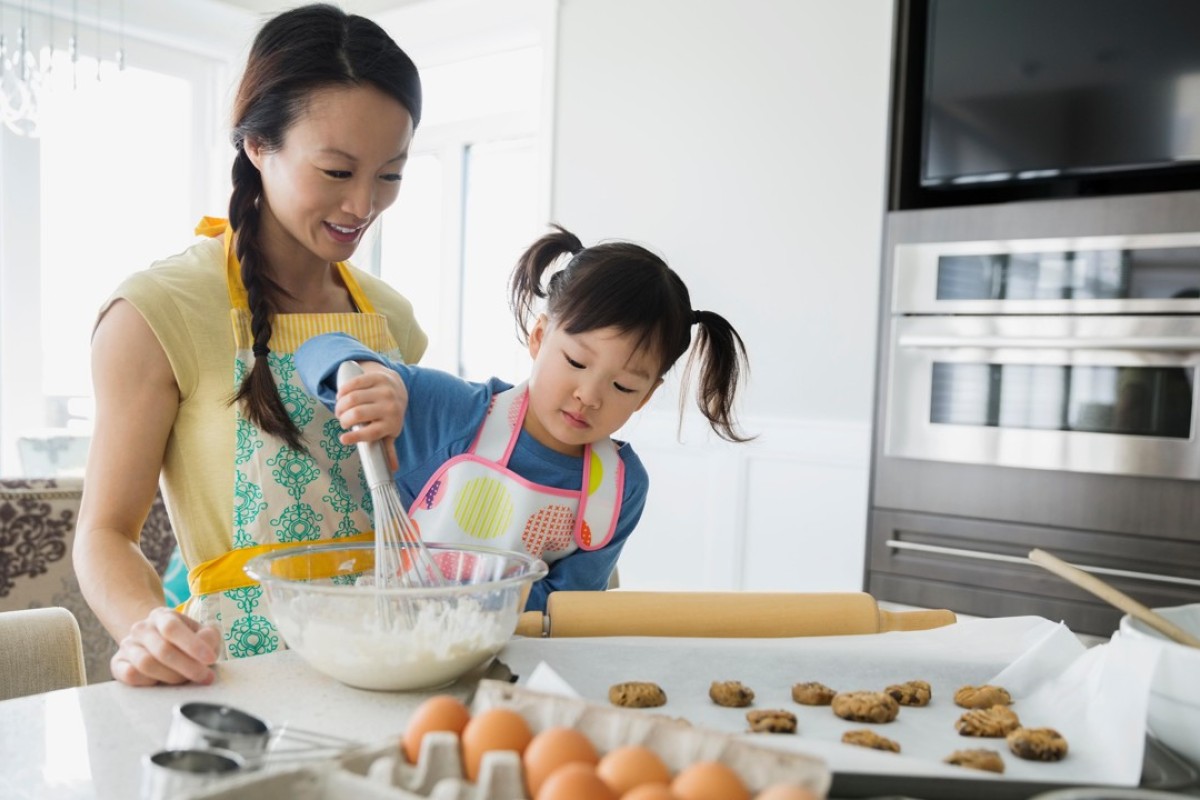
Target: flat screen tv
[[999, 100]]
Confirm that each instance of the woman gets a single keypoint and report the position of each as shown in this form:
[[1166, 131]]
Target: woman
[[192, 358]]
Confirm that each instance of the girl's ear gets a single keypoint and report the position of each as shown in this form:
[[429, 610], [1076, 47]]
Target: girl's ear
[[538, 335]]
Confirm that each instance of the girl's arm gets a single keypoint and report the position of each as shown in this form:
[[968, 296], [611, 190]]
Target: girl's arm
[[376, 401], [136, 403]]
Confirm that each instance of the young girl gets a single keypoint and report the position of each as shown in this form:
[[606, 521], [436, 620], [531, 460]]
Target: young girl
[[532, 467]]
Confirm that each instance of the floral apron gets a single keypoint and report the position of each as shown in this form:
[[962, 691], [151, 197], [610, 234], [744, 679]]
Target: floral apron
[[475, 499], [282, 497]]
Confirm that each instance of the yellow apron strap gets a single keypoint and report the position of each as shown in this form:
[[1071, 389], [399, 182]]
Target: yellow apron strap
[[356, 293], [224, 573], [211, 226], [215, 226]]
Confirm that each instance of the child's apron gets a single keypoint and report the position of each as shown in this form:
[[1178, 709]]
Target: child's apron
[[281, 497], [475, 499]]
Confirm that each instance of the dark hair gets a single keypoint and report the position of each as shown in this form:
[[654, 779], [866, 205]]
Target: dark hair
[[302, 50], [624, 286]]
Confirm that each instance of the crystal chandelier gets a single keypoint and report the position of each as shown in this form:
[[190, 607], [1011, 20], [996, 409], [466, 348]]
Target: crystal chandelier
[[31, 67]]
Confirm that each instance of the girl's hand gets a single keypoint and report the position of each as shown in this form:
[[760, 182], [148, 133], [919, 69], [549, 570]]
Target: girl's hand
[[167, 647], [371, 407]]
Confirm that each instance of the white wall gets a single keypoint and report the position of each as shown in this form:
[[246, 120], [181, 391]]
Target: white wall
[[745, 141]]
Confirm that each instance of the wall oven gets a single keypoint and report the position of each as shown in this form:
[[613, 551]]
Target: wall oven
[[1077, 355], [1036, 391]]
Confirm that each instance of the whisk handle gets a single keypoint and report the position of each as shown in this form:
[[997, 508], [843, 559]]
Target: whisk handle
[[370, 453]]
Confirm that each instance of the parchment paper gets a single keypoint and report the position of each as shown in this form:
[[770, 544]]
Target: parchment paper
[[1095, 697]]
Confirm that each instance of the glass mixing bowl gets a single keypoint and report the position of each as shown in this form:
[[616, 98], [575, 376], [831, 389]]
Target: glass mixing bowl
[[394, 638]]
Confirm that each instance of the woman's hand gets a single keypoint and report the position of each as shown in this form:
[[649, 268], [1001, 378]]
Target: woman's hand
[[167, 647], [371, 407]]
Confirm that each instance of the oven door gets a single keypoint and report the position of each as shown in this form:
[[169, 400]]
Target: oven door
[[1099, 394]]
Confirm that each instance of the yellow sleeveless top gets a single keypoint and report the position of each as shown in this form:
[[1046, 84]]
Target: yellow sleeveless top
[[185, 300]]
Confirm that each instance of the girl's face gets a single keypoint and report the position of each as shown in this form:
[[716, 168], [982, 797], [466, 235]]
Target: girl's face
[[585, 386], [338, 169]]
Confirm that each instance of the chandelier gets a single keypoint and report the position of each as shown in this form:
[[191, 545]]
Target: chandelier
[[40, 54]]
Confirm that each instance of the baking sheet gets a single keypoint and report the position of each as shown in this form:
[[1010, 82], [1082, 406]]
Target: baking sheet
[[1095, 697]]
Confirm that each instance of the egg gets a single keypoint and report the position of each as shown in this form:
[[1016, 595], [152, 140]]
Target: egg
[[785, 791], [631, 766], [709, 780], [552, 748], [494, 729], [650, 791], [575, 781], [439, 713]]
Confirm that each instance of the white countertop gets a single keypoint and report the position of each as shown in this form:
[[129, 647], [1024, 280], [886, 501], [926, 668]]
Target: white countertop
[[87, 743]]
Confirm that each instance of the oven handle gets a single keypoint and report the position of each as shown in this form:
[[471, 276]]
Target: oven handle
[[983, 555], [1181, 343]]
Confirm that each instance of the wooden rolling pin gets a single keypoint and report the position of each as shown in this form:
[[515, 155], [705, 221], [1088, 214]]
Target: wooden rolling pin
[[720, 614]]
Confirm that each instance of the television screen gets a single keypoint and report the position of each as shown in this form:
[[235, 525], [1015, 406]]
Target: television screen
[[1031, 90]]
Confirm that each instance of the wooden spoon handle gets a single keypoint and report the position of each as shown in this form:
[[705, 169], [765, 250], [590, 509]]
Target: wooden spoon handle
[[1112, 595]]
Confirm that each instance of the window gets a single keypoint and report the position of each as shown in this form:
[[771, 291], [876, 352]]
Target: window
[[472, 201], [81, 206], [86, 204]]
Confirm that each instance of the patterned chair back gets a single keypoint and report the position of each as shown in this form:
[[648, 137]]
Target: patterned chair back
[[37, 530]]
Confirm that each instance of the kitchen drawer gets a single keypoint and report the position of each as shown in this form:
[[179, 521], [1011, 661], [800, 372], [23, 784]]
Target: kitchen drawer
[[979, 567]]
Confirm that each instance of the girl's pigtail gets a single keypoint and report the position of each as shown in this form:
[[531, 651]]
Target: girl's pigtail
[[723, 361], [526, 283], [259, 397]]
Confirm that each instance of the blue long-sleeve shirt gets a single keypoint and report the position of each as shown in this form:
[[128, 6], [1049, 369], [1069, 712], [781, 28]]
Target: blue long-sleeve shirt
[[444, 415]]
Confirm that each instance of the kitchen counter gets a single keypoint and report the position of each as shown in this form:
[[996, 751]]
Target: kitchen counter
[[87, 743]]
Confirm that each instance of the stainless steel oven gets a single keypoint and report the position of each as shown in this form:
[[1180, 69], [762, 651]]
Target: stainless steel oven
[[1037, 387], [1078, 354]]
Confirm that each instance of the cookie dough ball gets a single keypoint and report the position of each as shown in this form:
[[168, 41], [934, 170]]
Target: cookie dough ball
[[911, 693], [994, 722], [1037, 744], [637, 694], [731, 693], [865, 706], [812, 694], [987, 760], [984, 696], [871, 739], [771, 721]]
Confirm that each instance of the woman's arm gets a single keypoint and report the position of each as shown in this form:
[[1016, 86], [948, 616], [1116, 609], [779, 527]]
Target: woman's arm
[[136, 403]]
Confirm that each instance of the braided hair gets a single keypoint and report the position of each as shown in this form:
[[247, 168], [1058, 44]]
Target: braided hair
[[297, 52]]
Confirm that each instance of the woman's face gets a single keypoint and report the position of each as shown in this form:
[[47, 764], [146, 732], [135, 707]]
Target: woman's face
[[338, 169]]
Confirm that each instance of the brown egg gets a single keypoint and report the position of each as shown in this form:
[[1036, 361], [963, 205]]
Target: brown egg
[[551, 749], [709, 780], [439, 713], [575, 781], [785, 791], [650, 791], [494, 729], [628, 767]]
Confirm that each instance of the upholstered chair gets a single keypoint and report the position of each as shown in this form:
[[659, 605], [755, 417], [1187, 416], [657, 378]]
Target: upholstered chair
[[37, 529], [40, 651]]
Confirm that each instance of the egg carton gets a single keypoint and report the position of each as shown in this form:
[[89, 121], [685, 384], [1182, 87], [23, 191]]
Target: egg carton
[[380, 772]]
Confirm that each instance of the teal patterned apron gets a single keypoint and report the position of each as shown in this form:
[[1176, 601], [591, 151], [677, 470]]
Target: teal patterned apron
[[284, 497]]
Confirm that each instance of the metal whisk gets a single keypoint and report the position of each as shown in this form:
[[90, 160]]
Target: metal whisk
[[401, 558]]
